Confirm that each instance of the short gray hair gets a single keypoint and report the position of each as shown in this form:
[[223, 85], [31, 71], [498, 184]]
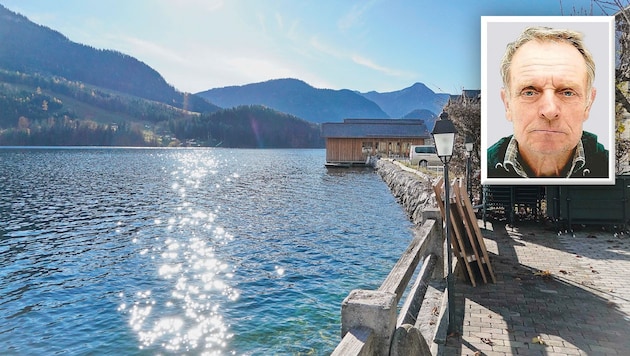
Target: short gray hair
[[542, 33]]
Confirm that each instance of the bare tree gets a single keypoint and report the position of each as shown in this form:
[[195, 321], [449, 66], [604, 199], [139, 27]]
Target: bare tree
[[622, 78], [622, 22], [465, 112], [621, 10]]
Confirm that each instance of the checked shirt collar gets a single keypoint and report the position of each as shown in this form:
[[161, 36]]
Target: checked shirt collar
[[512, 159]]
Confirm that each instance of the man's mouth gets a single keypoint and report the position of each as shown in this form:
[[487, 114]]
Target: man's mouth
[[547, 131]]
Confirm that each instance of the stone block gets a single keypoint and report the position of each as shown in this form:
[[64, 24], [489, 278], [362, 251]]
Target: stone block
[[375, 310]]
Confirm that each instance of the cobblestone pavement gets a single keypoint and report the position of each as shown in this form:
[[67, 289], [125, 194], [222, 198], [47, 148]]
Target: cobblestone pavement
[[555, 295]]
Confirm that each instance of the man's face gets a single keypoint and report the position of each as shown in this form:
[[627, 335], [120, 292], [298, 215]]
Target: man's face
[[547, 100]]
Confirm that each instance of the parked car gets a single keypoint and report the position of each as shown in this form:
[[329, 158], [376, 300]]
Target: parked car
[[424, 155]]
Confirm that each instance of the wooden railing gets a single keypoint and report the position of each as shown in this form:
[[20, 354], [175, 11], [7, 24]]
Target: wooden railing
[[370, 323]]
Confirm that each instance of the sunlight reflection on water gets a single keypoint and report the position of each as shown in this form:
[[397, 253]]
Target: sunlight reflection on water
[[189, 316], [208, 251]]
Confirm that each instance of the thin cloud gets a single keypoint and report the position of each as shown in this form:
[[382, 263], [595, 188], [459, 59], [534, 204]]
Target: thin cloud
[[204, 5], [293, 30], [151, 49], [379, 68], [262, 23], [288, 29], [279, 21], [355, 15], [325, 48], [330, 50], [259, 67]]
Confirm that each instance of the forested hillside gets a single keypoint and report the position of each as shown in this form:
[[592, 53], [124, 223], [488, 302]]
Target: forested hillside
[[30, 48], [55, 92], [36, 110], [249, 126]]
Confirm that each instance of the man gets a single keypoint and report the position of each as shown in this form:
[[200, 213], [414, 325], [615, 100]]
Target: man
[[547, 92]]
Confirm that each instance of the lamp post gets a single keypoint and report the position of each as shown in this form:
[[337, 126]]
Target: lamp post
[[469, 144], [444, 138]]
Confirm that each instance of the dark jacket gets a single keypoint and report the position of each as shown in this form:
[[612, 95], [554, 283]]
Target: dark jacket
[[596, 165]]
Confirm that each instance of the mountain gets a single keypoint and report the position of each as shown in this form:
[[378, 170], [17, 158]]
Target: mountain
[[427, 115], [423, 114], [400, 103], [298, 98], [295, 97], [37, 110], [57, 92], [31, 48], [40, 110]]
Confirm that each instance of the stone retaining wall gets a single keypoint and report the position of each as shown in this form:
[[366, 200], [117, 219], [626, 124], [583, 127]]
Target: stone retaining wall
[[411, 188]]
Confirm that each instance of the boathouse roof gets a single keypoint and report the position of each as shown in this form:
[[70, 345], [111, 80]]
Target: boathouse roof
[[359, 128]]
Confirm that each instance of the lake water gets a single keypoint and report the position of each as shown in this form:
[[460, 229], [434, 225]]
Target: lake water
[[186, 251]]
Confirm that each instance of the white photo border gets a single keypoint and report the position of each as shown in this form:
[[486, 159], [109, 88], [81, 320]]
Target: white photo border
[[510, 27]]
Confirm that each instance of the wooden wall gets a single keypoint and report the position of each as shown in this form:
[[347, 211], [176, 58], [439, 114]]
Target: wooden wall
[[356, 150]]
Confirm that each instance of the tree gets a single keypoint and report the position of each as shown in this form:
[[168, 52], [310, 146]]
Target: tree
[[621, 10], [24, 123], [622, 94], [465, 112]]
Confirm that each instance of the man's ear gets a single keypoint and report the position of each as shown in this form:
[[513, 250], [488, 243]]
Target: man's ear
[[589, 104], [505, 97]]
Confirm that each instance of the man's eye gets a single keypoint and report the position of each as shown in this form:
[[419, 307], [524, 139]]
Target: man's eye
[[568, 93], [528, 93]]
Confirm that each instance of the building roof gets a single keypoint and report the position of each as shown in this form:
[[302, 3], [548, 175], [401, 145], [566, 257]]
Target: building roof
[[470, 94], [365, 128]]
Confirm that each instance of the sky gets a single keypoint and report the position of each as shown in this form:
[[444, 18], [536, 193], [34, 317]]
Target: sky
[[380, 45]]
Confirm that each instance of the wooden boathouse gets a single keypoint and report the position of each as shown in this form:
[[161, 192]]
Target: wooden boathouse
[[353, 141]]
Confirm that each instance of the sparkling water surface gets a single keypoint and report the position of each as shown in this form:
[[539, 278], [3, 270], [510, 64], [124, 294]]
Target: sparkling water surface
[[186, 251]]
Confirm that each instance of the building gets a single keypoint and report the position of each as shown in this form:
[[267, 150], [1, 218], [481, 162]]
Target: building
[[467, 96], [352, 141]]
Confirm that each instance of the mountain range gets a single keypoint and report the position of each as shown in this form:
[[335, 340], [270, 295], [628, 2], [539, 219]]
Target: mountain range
[[403, 102], [298, 98], [105, 85]]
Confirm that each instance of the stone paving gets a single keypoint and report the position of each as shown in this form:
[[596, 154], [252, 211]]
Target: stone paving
[[566, 294]]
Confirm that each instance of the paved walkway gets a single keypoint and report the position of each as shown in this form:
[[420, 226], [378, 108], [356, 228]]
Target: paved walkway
[[555, 295]]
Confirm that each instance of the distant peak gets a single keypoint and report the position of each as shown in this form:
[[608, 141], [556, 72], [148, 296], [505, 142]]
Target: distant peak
[[286, 80], [418, 87]]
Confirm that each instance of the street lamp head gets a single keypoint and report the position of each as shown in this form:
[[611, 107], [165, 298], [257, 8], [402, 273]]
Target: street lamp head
[[469, 144], [444, 137]]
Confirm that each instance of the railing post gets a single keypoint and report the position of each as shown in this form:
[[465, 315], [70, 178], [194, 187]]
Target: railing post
[[375, 310], [436, 240]]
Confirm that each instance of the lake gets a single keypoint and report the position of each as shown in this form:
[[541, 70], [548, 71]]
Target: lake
[[186, 251]]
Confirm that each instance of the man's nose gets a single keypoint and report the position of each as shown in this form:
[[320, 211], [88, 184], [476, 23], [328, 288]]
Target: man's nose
[[549, 108]]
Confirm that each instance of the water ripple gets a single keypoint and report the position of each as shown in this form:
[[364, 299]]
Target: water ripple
[[210, 251]]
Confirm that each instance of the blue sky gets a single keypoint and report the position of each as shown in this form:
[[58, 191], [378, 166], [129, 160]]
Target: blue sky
[[381, 45]]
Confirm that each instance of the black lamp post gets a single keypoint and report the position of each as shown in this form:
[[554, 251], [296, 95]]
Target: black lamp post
[[444, 138], [470, 145]]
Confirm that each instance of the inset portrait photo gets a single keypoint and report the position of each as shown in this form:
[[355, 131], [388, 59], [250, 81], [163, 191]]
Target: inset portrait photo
[[547, 107]]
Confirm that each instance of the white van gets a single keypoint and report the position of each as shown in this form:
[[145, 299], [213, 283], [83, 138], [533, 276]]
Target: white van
[[424, 155]]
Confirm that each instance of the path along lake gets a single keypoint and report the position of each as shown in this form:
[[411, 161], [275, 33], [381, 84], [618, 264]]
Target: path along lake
[[186, 251]]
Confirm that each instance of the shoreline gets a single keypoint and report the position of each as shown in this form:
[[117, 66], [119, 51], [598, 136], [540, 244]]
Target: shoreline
[[411, 188]]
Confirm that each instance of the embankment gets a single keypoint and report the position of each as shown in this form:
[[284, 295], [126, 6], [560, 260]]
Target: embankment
[[412, 188]]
